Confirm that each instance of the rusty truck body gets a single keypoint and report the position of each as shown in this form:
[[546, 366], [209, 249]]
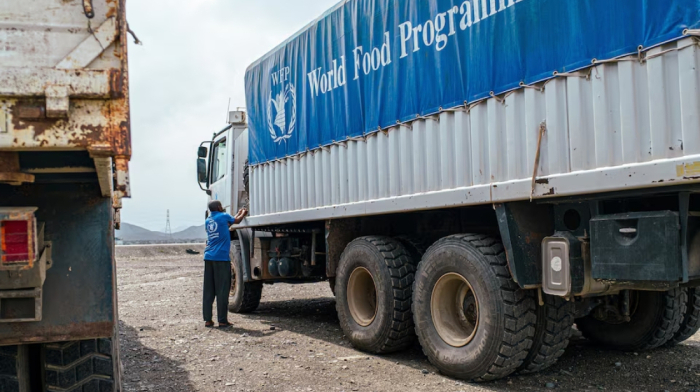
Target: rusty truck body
[[64, 152]]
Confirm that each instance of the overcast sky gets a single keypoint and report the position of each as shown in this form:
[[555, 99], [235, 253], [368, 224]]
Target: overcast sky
[[193, 60]]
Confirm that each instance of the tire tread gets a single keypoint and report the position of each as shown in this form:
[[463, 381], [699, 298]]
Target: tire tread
[[553, 331], [691, 320], [402, 270], [519, 304], [84, 365], [674, 312], [252, 291], [674, 304]]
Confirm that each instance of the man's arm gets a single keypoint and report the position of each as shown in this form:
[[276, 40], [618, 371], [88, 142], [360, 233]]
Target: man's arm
[[239, 217]]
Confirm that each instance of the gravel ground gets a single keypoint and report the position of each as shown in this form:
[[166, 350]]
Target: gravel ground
[[294, 343]]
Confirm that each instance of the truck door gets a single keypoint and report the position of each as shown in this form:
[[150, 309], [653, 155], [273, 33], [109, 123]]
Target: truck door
[[219, 174]]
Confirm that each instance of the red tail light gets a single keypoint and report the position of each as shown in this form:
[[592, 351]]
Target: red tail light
[[16, 241]]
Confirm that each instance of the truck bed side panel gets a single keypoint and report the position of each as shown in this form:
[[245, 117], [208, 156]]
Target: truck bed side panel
[[617, 126]]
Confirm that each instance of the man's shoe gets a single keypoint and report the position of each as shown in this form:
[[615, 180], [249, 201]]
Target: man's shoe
[[209, 324], [225, 325]]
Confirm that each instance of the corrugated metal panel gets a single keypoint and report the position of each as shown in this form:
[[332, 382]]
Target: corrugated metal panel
[[616, 120]]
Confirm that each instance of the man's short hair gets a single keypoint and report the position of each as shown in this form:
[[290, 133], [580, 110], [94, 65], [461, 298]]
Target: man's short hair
[[215, 206]]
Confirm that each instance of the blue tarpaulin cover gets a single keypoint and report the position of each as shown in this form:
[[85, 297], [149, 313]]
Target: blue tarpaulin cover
[[367, 65]]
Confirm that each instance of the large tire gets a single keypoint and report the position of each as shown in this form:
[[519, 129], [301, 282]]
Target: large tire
[[494, 318], [245, 297], [84, 365], [552, 333], [376, 318], [655, 319], [14, 375], [691, 321]]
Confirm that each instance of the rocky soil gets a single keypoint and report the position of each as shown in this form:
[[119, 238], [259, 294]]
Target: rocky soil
[[294, 343]]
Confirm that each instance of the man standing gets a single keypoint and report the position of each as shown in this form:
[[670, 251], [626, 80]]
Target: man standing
[[217, 263]]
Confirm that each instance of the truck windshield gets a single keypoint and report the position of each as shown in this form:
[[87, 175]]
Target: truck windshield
[[219, 164]]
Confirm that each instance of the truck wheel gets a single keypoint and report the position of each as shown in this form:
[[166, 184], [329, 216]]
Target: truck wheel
[[373, 294], [14, 375], [655, 319], [83, 365], [691, 321], [472, 320], [245, 297], [552, 333]]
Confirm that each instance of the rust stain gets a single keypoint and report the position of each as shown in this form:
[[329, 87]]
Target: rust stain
[[98, 120], [542, 181], [116, 83], [31, 114]]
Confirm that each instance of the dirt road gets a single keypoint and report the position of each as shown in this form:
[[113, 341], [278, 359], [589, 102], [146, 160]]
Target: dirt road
[[294, 343]]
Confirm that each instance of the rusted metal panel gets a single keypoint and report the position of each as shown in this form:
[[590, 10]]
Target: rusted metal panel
[[80, 288], [9, 169], [64, 80], [80, 83]]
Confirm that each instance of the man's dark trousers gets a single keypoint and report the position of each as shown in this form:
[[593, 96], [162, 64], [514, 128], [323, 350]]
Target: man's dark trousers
[[217, 283]]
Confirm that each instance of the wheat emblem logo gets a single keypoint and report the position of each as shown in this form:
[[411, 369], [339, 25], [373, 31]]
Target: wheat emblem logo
[[279, 129]]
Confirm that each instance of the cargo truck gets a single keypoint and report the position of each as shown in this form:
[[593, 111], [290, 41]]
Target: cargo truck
[[64, 152], [476, 175]]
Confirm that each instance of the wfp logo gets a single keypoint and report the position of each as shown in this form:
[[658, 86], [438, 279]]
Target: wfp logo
[[282, 107], [212, 226]]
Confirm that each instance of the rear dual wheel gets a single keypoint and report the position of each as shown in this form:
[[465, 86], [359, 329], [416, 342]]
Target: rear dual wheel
[[655, 319], [473, 321], [373, 289], [690, 324]]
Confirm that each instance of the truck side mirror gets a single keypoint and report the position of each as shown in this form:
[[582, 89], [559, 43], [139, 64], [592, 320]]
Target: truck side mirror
[[202, 152], [201, 169]]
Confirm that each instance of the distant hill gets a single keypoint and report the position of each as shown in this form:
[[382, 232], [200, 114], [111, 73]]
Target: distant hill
[[192, 233], [132, 234]]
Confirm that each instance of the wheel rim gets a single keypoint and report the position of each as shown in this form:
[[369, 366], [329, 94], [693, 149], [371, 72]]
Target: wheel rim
[[362, 297], [455, 310]]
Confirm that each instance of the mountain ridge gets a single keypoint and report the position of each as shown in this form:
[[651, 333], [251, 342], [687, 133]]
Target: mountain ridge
[[130, 233]]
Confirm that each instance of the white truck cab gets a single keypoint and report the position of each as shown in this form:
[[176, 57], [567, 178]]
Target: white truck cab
[[220, 167]]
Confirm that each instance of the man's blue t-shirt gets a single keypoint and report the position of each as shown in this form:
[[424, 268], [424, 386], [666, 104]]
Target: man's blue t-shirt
[[218, 237]]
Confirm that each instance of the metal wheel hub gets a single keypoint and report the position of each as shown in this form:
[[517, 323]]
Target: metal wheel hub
[[454, 309], [362, 297]]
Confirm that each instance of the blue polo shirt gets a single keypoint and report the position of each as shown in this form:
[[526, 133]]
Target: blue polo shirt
[[218, 237]]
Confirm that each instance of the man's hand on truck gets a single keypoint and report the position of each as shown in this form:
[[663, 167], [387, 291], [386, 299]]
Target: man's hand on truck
[[242, 213]]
